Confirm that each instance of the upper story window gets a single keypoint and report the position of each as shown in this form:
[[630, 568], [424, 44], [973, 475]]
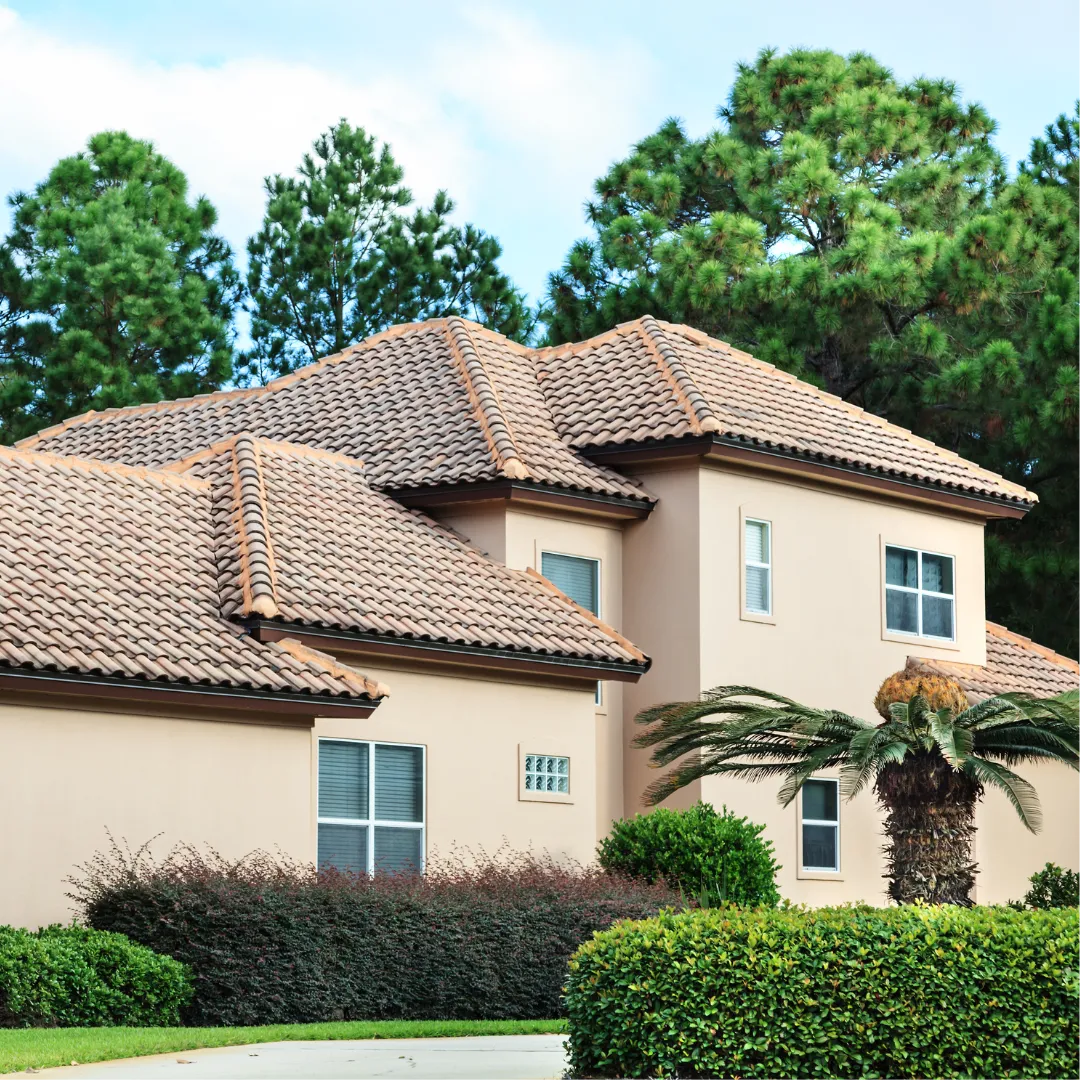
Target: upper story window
[[579, 578], [920, 595], [371, 806], [757, 559]]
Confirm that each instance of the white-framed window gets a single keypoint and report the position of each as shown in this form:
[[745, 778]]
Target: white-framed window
[[820, 825], [579, 578], [371, 806], [757, 566], [547, 773], [920, 593]]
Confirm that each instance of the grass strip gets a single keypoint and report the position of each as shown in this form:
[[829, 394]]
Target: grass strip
[[40, 1048]]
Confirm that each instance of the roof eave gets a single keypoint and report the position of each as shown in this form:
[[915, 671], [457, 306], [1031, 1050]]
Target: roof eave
[[524, 493], [775, 459], [196, 696], [443, 652]]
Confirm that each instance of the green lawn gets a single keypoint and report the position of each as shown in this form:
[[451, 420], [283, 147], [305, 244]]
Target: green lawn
[[40, 1048]]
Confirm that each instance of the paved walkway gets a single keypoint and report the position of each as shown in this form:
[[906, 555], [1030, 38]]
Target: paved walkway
[[506, 1057]]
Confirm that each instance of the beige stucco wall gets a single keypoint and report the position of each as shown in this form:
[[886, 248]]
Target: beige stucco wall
[[825, 644], [473, 729], [69, 775], [517, 538]]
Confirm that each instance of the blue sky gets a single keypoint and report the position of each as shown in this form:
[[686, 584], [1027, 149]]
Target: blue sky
[[515, 108]]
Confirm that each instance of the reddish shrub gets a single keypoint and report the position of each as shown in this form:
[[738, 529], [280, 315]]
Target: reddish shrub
[[272, 941]]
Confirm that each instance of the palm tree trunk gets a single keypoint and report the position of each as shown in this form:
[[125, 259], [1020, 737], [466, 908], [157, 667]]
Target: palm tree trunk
[[930, 824]]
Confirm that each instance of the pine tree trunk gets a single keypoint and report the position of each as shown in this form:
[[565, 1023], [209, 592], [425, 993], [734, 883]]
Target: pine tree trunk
[[930, 825]]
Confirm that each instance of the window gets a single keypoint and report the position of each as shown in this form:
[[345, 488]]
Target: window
[[579, 578], [821, 825], [544, 772], [919, 593], [757, 557], [371, 806]]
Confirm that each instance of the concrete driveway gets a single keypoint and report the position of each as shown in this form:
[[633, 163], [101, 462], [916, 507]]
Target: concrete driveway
[[506, 1057]]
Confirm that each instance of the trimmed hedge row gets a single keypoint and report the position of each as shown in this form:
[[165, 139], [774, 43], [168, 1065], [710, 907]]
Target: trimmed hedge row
[[68, 976], [270, 941], [842, 992]]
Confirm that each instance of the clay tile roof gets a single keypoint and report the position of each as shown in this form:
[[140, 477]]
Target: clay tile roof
[[1013, 663], [649, 380], [302, 538], [110, 571], [423, 404]]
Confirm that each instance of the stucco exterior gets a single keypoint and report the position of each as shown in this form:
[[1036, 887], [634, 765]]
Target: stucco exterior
[[70, 774]]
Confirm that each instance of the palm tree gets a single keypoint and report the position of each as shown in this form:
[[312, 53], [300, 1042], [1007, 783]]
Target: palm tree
[[930, 760]]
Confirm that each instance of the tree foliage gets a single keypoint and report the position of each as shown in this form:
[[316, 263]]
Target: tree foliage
[[862, 233], [114, 289], [341, 255]]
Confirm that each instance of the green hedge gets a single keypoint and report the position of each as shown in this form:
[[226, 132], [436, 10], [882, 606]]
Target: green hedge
[[711, 857], [68, 976], [842, 992]]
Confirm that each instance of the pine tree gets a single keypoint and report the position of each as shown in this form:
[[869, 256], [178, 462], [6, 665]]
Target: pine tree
[[340, 256], [114, 289]]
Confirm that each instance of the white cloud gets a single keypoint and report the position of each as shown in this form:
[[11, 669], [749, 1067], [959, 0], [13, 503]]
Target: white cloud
[[496, 111]]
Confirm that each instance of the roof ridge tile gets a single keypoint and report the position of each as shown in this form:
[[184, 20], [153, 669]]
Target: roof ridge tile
[[1003, 632], [317, 658], [37, 458], [701, 417], [258, 573], [485, 400]]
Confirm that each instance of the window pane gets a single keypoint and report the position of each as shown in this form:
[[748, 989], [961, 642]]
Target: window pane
[[937, 616], [757, 589], [819, 800], [399, 783], [399, 850], [819, 847], [343, 846], [901, 567], [901, 611], [545, 772], [343, 779], [937, 573], [578, 578], [757, 541]]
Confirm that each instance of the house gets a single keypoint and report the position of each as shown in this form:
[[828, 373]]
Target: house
[[411, 597]]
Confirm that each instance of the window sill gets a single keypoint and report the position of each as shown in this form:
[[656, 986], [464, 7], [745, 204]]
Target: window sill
[[544, 796], [755, 616], [819, 875], [924, 642]]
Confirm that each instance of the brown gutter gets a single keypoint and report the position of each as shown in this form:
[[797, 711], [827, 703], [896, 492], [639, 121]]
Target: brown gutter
[[471, 657], [707, 448], [520, 494], [219, 699]]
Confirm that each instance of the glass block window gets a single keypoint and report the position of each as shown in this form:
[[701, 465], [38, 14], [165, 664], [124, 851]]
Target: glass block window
[[544, 772], [821, 825], [757, 556], [371, 806], [920, 595], [579, 578]]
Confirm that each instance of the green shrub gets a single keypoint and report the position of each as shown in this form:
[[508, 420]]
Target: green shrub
[[1051, 887], [717, 858], [68, 976], [841, 992]]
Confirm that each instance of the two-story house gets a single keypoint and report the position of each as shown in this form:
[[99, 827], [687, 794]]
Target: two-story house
[[412, 596]]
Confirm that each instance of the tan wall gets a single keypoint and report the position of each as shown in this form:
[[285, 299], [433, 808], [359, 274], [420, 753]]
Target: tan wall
[[70, 775], [517, 538], [1008, 854], [824, 645], [662, 613], [472, 729]]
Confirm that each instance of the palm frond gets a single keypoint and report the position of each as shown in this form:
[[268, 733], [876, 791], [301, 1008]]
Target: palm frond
[[1015, 788]]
